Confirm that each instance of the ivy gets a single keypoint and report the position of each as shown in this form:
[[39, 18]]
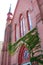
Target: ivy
[[31, 40], [36, 59]]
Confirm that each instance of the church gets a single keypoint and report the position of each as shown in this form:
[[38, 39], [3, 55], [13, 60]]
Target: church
[[27, 14]]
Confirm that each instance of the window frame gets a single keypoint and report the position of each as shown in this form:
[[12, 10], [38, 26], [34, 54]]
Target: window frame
[[29, 21], [22, 26]]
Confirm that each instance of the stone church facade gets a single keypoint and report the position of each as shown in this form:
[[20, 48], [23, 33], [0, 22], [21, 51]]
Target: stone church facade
[[27, 15]]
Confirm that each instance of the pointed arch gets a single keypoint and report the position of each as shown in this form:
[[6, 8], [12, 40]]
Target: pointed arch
[[22, 25], [29, 20], [21, 58]]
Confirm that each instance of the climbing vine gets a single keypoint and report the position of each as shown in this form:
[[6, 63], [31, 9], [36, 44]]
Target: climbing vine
[[32, 41]]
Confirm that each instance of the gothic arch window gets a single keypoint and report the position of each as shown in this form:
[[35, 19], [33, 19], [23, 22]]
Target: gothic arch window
[[15, 32], [22, 26], [29, 20]]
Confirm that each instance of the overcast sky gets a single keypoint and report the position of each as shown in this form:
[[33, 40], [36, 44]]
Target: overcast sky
[[4, 8]]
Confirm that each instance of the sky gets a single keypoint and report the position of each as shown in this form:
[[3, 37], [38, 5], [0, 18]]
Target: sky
[[4, 8]]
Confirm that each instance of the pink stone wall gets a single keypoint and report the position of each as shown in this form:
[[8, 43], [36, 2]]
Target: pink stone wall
[[0, 58], [22, 7], [40, 3], [35, 9], [40, 30]]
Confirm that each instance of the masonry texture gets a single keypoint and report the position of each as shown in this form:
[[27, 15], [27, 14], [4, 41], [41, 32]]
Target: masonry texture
[[15, 29]]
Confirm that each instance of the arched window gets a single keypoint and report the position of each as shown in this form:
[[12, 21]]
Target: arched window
[[29, 20], [16, 32], [22, 26]]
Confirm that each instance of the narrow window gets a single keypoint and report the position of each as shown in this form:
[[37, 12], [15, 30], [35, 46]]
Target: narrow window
[[15, 32], [22, 24], [29, 20]]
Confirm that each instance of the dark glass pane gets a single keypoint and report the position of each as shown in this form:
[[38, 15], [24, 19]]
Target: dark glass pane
[[28, 64]]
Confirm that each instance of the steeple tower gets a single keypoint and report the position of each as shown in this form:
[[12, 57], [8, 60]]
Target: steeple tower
[[9, 16], [7, 40]]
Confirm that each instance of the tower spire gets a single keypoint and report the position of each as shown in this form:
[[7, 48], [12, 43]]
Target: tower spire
[[10, 8], [9, 16]]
